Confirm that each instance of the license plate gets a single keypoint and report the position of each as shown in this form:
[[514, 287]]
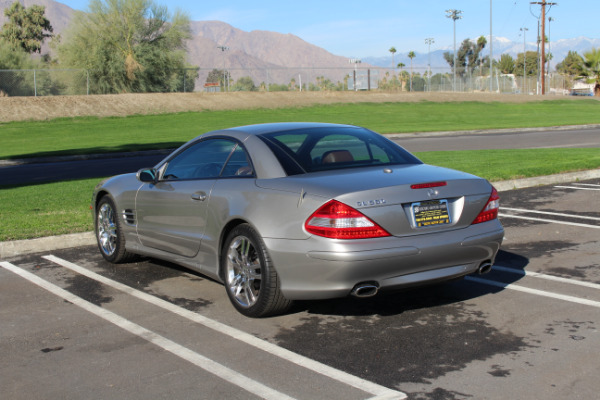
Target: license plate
[[429, 213]]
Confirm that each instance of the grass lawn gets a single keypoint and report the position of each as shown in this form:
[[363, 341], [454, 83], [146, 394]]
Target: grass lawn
[[500, 165], [63, 207], [45, 210], [85, 135]]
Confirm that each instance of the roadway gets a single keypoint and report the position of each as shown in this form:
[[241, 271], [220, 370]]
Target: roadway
[[33, 173]]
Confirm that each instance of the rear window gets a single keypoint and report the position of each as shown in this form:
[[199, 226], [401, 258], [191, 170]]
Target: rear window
[[329, 148]]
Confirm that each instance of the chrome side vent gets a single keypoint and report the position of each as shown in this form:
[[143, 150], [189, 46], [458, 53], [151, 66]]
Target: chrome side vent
[[129, 216]]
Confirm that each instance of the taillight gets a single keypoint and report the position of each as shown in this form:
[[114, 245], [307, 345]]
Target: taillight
[[490, 211], [339, 221]]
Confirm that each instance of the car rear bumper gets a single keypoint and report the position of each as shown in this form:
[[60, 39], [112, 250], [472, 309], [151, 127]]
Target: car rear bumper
[[320, 268]]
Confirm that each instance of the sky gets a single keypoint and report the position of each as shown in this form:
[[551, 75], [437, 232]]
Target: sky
[[364, 28]]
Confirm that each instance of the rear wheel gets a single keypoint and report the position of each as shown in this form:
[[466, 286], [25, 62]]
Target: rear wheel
[[109, 234], [250, 279]]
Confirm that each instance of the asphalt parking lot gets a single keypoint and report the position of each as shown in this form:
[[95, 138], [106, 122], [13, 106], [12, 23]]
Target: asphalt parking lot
[[74, 326]]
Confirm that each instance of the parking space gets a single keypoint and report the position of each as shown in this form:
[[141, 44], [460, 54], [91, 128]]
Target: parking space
[[74, 326]]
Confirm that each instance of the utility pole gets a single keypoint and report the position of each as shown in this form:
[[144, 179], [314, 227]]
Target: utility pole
[[543, 3], [428, 42], [454, 15]]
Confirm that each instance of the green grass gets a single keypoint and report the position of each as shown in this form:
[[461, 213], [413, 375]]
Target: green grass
[[499, 165], [44, 210], [63, 207], [86, 135]]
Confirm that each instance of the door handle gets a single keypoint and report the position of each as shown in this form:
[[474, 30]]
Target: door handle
[[199, 196]]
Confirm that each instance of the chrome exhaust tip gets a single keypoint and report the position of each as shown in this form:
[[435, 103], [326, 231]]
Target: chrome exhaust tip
[[365, 289], [484, 267]]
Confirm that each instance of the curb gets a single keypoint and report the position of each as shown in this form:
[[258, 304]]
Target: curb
[[22, 247], [504, 186], [490, 131]]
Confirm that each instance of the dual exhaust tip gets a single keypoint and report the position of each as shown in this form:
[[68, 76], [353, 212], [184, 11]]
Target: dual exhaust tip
[[365, 289], [484, 267], [370, 289]]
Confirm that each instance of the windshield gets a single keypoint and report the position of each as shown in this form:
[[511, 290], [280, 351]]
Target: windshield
[[328, 148]]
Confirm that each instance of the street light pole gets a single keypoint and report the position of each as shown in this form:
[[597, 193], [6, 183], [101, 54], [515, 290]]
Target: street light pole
[[454, 15], [524, 58], [550, 19], [491, 51], [429, 41], [223, 48]]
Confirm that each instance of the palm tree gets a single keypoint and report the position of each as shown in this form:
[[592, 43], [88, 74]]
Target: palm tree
[[393, 51], [401, 65], [411, 55], [592, 63], [481, 42]]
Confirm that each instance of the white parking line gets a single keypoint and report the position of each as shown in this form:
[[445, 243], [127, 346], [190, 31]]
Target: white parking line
[[576, 188], [547, 277], [587, 184], [206, 364], [537, 292], [551, 213], [379, 391], [549, 220]]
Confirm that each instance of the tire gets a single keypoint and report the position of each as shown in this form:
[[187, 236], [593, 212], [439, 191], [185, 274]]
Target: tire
[[109, 234], [251, 281]]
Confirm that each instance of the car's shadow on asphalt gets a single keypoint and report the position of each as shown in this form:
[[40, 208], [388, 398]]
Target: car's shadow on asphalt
[[399, 301], [385, 303]]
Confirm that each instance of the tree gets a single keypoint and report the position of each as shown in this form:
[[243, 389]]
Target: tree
[[441, 81], [592, 64], [571, 65], [531, 64], [549, 57], [27, 28], [127, 46], [15, 83], [276, 87], [411, 55], [244, 84], [418, 83], [507, 64], [292, 85], [393, 51], [401, 65], [467, 56]]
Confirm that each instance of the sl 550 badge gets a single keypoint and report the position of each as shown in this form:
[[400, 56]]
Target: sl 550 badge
[[367, 203]]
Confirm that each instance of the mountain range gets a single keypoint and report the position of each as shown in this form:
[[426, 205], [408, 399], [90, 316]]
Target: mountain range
[[559, 50], [271, 50]]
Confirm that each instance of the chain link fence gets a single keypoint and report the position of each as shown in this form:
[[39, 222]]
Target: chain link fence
[[50, 82], [43, 82]]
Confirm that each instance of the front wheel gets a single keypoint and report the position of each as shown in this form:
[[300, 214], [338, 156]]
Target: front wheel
[[250, 279], [109, 234]]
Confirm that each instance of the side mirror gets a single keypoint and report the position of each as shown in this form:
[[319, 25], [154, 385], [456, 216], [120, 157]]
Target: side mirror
[[146, 175]]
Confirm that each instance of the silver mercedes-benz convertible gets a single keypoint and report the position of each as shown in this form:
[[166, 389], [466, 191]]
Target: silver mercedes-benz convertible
[[289, 211]]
